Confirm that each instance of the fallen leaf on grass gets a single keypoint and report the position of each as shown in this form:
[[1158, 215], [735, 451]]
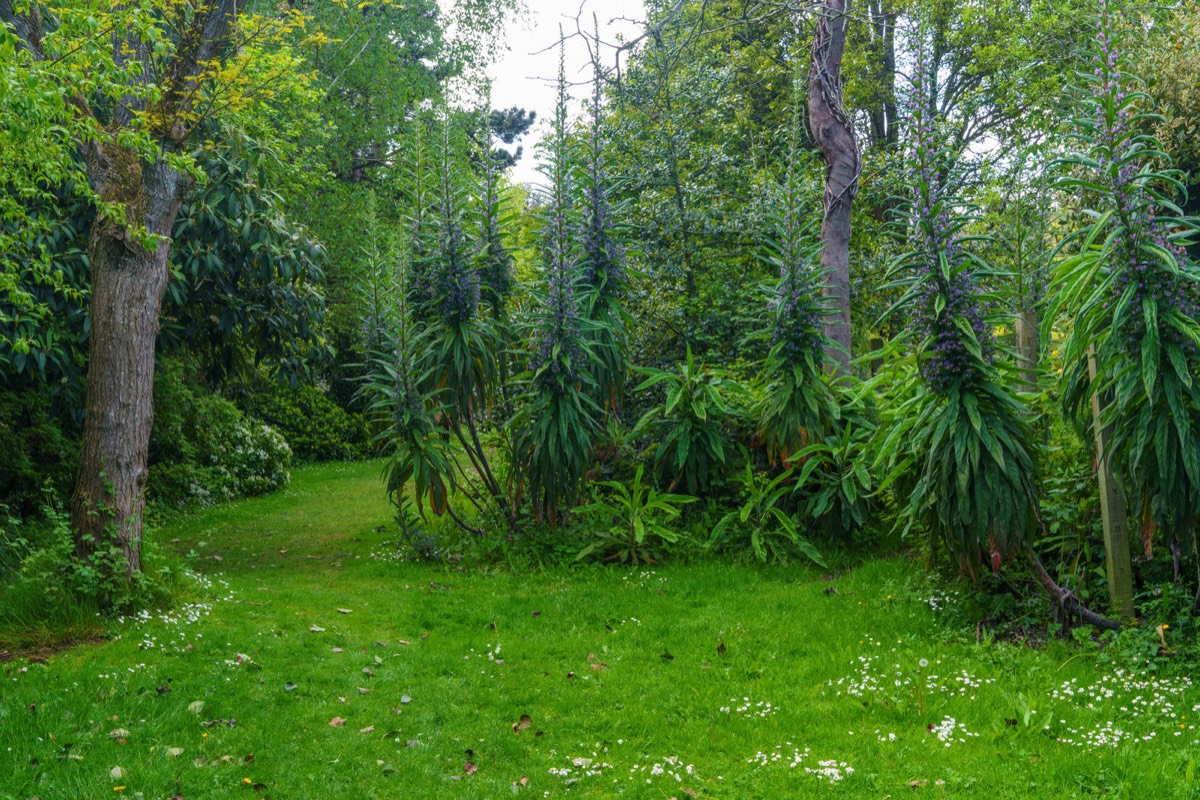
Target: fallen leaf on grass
[[345, 611], [316, 629], [690, 792], [174, 752], [363, 690], [119, 733], [367, 729], [116, 773], [522, 723], [522, 781], [599, 666], [338, 650], [405, 698], [470, 767], [367, 671], [917, 784], [289, 687], [337, 722], [196, 707]]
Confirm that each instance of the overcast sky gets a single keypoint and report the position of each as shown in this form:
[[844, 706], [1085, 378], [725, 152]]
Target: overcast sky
[[525, 76]]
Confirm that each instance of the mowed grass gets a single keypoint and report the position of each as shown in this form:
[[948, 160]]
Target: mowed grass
[[710, 681]]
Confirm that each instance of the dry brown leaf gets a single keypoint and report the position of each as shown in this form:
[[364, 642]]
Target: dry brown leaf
[[470, 767], [337, 722], [522, 723]]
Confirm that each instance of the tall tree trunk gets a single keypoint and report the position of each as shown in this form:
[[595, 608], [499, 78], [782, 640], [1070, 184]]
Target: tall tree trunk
[[885, 129], [834, 134], [128, 281]]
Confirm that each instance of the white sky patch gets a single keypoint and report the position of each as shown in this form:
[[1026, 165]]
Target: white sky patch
[[525, 75]]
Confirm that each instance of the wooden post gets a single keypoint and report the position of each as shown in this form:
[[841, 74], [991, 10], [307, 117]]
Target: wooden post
[[1028, 348], [1112, 510]]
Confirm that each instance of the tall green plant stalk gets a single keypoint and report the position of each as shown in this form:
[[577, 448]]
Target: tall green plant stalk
[[460, 342], [797, 405], [602, 260], [553, 429], [1132, 294]]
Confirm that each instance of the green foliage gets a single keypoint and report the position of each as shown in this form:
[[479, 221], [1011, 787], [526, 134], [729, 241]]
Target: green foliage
[[691, 423], [53, 587], [556, 418], [764, 520], [833, 480], [204, 450], [39, 452], [246, 277], [962, 465], [632, 521], [1133, 295], [315, 427], [415, 448]]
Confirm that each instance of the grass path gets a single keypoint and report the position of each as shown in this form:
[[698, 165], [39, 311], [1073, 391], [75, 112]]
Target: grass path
[[709, 681]]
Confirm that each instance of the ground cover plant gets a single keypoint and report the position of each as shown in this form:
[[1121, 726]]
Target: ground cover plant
[[310, 662]]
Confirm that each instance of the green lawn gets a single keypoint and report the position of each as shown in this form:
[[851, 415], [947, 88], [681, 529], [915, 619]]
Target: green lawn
[[709, 681]]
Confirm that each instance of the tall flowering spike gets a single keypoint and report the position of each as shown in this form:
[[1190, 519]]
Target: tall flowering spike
[[455, 280], [420, 175], [496, 266], [603, 255], [1133, 296], [797, 407], [955, 343], [559, 356], [552, 429], [799, 331], [959, 443], [1147, 262]]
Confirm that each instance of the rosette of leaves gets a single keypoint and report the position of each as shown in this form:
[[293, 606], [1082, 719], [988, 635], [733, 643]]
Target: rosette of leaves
[[764, 519], [957, 441], [1133, 295], [632, 522], [554, 425]]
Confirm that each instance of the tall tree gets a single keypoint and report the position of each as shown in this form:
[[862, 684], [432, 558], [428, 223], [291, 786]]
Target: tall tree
[[149, 76], [833, 131]]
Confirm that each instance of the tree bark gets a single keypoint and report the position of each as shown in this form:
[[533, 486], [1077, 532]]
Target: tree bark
[[834, 134], [128, 254], [128, 281]]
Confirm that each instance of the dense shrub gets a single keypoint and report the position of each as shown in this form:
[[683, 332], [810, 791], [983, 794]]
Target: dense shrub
[[315, 427], [36, 451], [204, 450]]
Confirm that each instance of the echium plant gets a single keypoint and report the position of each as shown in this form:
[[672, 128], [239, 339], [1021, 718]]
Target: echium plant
[[417, 453], [495, 260], [553, 429], [797, 404], [602, 262], [419, 180], [460, 343], [959, 444], [1133, 295]]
